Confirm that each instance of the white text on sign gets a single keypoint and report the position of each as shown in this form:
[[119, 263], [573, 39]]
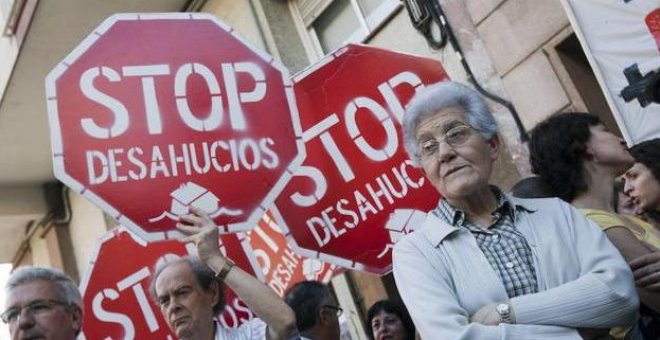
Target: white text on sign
[[375, 196], [159, 161], [148, 73]]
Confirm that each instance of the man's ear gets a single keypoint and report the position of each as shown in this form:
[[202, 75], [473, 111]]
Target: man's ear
[[216, 292], [324, 318], [76, 318]]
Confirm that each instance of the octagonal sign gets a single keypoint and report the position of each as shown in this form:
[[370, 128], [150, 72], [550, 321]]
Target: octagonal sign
[[116, 302], [153, 113], [357, 192], [281, 266]]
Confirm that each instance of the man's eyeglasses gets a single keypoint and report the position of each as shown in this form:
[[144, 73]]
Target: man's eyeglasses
[[34, 308], [456, 136], [337, 309]]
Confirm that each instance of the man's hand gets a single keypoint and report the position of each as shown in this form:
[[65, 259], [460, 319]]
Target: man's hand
[[487, 315], [646, 269], [200, 229]]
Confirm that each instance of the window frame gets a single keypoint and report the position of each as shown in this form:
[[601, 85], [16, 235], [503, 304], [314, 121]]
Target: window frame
[[368, 26]]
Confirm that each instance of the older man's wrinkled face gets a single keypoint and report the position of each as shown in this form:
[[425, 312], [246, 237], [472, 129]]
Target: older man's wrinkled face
[[455, 158], [42, 313], [186, 306]]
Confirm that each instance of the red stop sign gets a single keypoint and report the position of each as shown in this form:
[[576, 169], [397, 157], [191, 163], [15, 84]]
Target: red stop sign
[[281, 266], [356, 192], [153, 113], [116, 302]]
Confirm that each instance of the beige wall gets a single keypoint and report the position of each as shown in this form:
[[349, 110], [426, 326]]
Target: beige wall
[[66, 247], [86, 226], [40, 247], [41, 254], [518, 35], [399, 35], [240, 16], [8, 54]]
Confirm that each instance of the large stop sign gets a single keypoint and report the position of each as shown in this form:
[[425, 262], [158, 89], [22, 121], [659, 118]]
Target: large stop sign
[[356, 193], [116, 302], [153, 113]]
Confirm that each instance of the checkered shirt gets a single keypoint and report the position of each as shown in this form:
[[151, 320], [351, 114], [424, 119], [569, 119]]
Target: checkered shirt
[[505, 247]]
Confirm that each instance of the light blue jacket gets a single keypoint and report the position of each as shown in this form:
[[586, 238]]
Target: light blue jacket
[[444, 278]]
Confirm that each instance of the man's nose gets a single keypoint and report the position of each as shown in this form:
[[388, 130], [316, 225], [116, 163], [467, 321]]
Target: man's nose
[[173, 307], [25, 319]]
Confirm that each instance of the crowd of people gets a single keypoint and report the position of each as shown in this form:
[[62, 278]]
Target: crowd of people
[[571, 253]]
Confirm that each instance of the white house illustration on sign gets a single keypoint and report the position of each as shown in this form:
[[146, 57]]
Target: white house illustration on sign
[[401, 223], [191, 194]]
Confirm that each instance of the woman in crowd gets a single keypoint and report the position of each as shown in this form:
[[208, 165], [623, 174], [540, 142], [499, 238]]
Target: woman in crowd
[[579, 161], [486, 265], [389, 320], [622, 202], [642, 181], [642, 187]]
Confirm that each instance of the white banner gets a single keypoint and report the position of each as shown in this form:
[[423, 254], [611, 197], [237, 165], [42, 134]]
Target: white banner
[[622, 42]]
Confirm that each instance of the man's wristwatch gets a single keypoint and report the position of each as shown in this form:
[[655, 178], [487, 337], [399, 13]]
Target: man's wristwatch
[[506, 313], [226, 268]]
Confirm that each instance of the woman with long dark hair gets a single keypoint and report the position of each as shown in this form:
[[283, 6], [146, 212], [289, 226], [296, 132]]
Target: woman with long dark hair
[[579, 160]]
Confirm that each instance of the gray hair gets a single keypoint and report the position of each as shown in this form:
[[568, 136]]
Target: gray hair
[[441, 96], [66, 289], [205, 277]]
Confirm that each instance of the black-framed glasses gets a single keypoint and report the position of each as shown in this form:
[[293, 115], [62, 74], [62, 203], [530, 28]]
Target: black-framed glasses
[[34, 308], [338, 310], [456, 136]]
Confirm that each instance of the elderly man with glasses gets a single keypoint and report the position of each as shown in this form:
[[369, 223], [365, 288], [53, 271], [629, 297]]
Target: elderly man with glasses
[[486, 265], [42, 303], [317, 313]]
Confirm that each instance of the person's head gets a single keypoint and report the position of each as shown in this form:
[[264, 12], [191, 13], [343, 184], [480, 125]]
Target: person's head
[[622, 203], [450, 132], [42, 303], [188, 294], [531, 187], [642, 180], [387, 319], [317, 312], [565, 149]]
